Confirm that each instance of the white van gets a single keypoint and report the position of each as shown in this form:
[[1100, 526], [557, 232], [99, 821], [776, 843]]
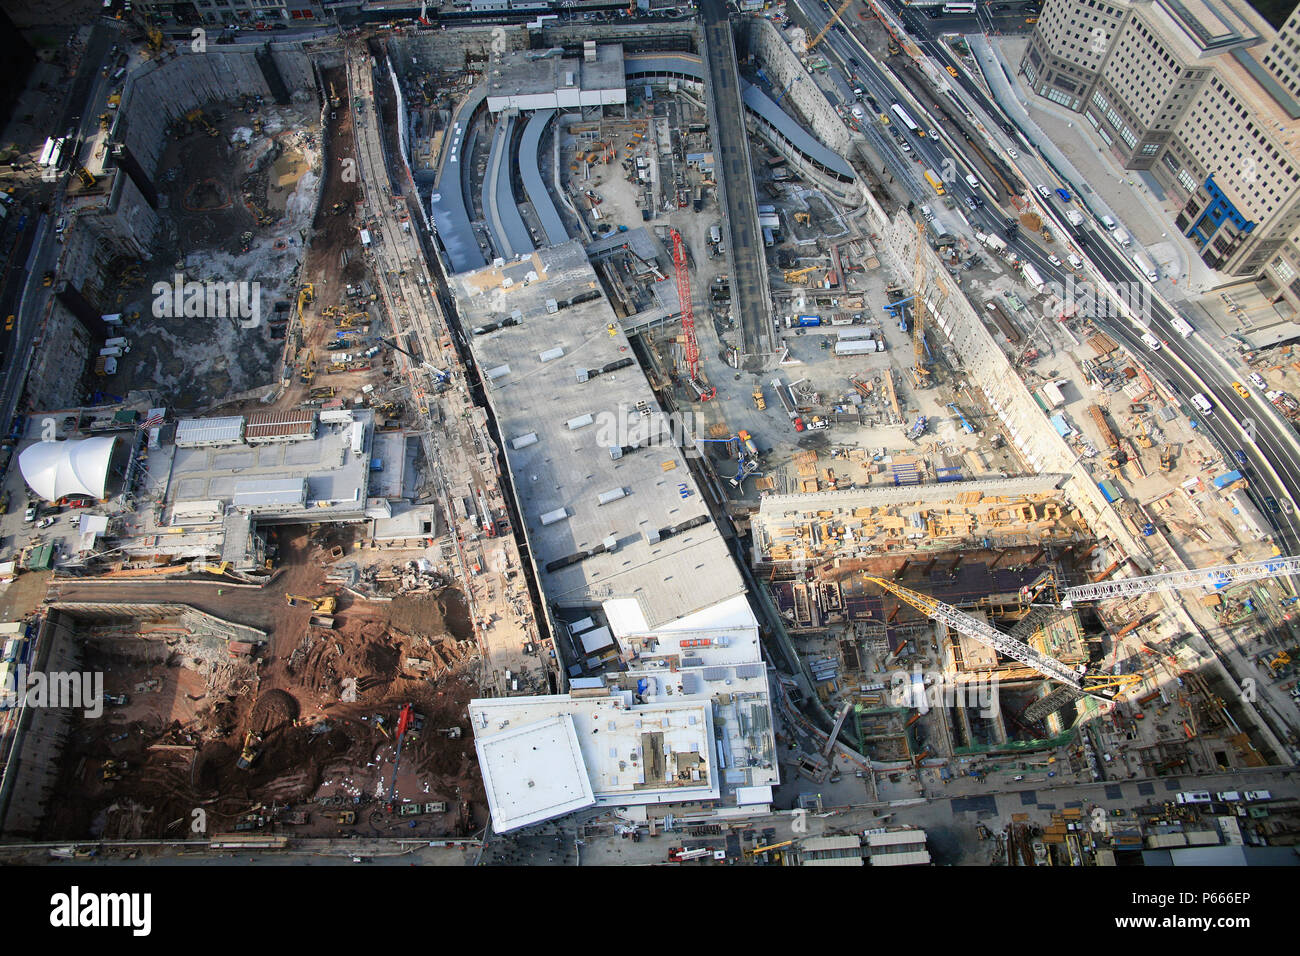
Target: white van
[[1203, 403], [1044, 191], [1122, 237], [927, 213], [972, 182], [1109, 223], [1151, 341], [1075, 261], [715, 235]]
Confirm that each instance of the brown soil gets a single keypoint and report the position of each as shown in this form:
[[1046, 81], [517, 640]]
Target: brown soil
[[181, 737]]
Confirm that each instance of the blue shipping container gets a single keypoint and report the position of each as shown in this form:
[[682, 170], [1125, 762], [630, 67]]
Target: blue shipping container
[[810, 320], [1109, 491], [1224, 480]]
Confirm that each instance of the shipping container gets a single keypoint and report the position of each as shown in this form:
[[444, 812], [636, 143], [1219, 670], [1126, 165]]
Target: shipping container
[[810, 320]]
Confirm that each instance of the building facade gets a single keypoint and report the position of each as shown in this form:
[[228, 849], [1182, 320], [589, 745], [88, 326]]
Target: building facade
[[1202, 93]]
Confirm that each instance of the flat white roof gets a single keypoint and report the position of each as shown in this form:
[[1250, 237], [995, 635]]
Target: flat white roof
[[533, 772], [202, 431], [654, 753]]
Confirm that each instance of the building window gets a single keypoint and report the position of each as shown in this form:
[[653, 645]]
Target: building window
[[1060, 96], [1150, 149], [1186, 181], [1283, 269]]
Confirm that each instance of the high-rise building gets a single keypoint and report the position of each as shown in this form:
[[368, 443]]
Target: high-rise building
[[1203, 93]]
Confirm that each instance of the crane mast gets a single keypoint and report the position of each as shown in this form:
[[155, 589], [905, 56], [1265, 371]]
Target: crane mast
[[692, 346]]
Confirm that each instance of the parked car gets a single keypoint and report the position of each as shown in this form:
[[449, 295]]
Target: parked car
[[46, 522]]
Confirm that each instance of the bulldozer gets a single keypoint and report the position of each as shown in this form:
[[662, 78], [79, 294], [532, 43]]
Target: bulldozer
[[759, 401], [320, 605], [252, 750]]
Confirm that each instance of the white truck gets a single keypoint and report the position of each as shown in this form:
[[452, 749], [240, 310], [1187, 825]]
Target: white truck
[[1122, 238], [972, 182], [993, 242], [1145, 266], [1074, 217], [1033, 278]]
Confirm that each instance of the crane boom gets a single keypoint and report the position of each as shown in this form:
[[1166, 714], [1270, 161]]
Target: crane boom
[[978, 630], [835, 18], [692, 347], [1216, 577]]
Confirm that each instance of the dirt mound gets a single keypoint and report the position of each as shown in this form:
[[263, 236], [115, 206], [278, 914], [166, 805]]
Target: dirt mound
[[381, 659], [273, 709]]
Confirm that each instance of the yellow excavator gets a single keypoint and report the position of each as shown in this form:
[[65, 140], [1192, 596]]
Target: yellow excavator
[[321, 605], [252, 750]]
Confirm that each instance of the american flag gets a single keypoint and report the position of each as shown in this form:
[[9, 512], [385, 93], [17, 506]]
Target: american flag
[[153, 421]]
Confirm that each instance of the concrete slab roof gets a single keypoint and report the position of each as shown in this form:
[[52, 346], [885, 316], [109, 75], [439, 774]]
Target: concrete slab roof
[[653, 543]]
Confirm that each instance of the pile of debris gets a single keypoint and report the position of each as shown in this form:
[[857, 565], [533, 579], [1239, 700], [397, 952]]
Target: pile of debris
[[411, 577]]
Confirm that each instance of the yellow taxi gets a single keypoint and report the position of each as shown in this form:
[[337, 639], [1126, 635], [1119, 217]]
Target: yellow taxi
[[952, 70], [1240, 389], [9, 323]]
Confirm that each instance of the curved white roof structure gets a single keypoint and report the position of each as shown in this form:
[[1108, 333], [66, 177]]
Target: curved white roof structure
[[53, 469]]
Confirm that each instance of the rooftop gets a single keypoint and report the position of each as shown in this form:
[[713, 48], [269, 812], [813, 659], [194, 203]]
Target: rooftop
[[544, 755], [601, 528]]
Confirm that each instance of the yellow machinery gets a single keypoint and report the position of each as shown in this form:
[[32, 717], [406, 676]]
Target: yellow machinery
[[252, 750], [308, 369], [86, 176], [203, 568], [306, 296], [800, 276], [835, 18], [803, 217], [771, 846], [154, 37], [759, 402], [334, 97], [321, 605], [1166, 458], [1277, 663], [920, 374]]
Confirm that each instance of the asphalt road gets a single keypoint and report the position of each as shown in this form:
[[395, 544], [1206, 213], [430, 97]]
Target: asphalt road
[[750, 299]]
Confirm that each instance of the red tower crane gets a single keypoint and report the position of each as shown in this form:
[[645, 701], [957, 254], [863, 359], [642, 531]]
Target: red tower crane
[[704, 392]]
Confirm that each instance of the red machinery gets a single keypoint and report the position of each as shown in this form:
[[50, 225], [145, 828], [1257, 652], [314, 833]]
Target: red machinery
[[703, 391]]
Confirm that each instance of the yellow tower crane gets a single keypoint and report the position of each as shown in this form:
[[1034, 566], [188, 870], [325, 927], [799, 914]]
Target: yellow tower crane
[[835, 18]]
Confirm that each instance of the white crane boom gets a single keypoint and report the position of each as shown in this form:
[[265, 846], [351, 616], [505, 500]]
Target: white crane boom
[[1212, 578]]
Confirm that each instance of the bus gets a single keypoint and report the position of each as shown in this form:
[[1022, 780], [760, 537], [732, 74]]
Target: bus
[[934, 181], [905, 119], [959, 8]]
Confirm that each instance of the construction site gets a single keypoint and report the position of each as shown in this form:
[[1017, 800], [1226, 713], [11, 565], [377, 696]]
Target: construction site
[[548, 422]]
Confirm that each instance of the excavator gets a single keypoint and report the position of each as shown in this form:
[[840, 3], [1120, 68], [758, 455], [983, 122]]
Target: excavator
[[252, 750], [320, 605]]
